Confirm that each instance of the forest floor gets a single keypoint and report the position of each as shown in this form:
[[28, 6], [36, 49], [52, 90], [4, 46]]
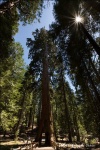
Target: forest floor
[[7, 145], [7, 142]]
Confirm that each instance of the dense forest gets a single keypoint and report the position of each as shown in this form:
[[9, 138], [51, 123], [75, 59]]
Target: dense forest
[[37, 100]]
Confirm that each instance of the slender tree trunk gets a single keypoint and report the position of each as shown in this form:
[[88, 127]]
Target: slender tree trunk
[[66, 110], [56, 118], [30, 117], [32, 121], [39, 113], [27, 119], [76, 127], [75, 120], [53, 138], [20, 115]]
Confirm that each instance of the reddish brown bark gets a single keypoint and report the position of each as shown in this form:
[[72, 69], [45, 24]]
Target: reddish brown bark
[[45, 122]]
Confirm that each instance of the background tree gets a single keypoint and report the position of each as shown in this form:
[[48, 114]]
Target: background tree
[[78, 56], [27, 10], [12, 71]]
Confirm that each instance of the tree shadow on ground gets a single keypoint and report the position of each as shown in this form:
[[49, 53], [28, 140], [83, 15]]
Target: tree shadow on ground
[[8, 147]]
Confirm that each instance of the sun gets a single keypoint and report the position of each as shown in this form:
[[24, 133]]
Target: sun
[[78, 19]]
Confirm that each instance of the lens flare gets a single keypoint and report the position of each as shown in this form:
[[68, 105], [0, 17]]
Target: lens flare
[[78, 19]]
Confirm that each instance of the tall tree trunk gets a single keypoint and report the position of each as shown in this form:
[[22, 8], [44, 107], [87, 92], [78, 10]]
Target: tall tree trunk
[[30, 117], [39, 113], [27, 119], [66, 109], [45, 122], [76, 127], [53, 138], [75, 120], [33, 121], [20, 116], [56, 118]]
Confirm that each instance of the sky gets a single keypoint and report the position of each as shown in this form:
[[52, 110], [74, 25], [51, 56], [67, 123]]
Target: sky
[[26, 31]]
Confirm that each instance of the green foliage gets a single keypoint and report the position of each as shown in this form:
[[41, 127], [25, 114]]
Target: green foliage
[[8, 28], [12, 72], [8, 120], [27, 11], [37, 47], [78, 59]]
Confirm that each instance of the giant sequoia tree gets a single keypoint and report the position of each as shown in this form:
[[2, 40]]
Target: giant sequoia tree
[[40, 49]]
